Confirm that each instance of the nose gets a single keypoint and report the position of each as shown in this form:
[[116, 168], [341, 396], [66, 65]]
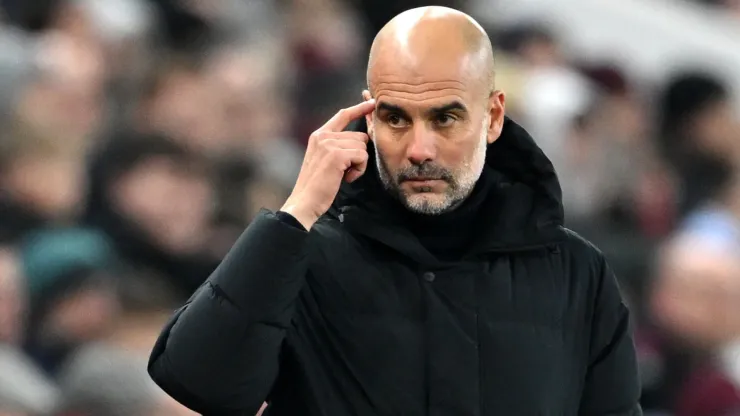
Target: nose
[[422, 147]]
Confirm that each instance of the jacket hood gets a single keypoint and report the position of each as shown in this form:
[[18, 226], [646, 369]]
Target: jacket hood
[[525, 207]]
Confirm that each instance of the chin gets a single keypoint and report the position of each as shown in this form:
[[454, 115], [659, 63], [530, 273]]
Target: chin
[[427, 203]]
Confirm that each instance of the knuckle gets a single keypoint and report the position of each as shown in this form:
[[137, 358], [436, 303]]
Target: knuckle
[[314, 137], [335, 153], [325, 142]]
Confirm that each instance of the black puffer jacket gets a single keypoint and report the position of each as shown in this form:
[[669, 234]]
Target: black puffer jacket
[[357, 318]]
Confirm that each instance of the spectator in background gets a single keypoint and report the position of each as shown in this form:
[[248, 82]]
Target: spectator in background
[[638, 192], [154, 200], [698, 135], [24, 389], [179, 105], [586, 186], [42, 181], [554, 92], [250, 81], [65, 97], [228, 108], [122, 32], [697, 300], [108, 377], [51, 111], [104, 381], [72, 292], [326, 44]]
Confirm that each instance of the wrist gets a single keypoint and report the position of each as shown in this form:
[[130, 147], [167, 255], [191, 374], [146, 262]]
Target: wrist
[[307, 217]]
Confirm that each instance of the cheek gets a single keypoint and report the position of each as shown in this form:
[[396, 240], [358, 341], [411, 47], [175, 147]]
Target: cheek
[[455, 154], [391, 152]]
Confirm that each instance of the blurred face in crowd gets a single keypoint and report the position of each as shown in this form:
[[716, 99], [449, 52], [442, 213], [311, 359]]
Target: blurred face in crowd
[[716, 130], [169, 201], [12, 297], [68, 98], [432, 76], [185, 108], [82, 315], [51, 184], [622, 117], [697, 293], [254, 109]]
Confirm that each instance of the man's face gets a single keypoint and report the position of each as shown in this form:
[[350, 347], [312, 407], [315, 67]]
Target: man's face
[[431, 140]]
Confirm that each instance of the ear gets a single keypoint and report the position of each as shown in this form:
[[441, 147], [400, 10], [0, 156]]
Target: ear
[[366, 96], [497, 110]]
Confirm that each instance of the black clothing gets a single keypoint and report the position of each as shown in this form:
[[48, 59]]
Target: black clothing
[[357, 317]]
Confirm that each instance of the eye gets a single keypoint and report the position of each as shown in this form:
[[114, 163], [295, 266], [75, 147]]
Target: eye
[[395, 120], [445, 120]]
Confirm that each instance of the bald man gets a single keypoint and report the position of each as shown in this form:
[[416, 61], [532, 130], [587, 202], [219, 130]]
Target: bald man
[[419, 267]]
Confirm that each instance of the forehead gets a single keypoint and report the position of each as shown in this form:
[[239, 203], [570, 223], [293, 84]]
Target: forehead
[[420, 81], [420, 93]]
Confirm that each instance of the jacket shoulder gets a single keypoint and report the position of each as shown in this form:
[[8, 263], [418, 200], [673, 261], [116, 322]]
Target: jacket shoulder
[[578, 247], [583, 262]]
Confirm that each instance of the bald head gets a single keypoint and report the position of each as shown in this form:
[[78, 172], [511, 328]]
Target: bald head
[[432, 42]]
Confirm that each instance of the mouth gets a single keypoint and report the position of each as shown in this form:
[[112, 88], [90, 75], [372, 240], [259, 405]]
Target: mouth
[[422, 181]]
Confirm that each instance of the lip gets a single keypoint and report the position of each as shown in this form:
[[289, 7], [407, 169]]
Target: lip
[[421, 181]]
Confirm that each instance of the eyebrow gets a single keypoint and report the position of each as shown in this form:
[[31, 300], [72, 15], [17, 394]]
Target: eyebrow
[[453, 106], [391, 108]]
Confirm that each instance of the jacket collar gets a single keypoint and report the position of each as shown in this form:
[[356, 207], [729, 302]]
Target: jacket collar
[[525, 205]]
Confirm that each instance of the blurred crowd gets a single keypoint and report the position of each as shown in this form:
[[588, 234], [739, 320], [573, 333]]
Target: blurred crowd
[[139, 138]]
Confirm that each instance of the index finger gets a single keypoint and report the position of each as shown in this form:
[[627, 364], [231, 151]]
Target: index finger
[[345, 116]]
